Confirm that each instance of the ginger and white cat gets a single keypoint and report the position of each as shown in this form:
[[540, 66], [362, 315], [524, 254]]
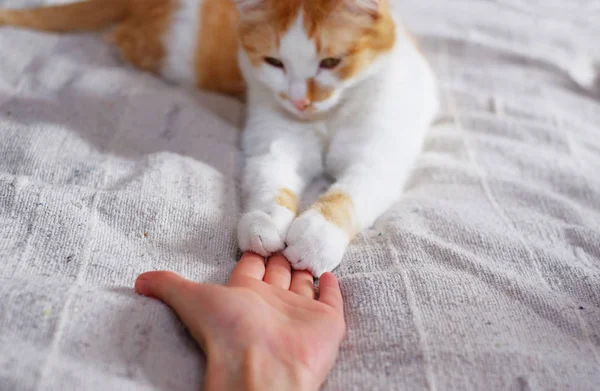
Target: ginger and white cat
[[332, 86]]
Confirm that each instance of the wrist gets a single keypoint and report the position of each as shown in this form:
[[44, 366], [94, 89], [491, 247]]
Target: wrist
[[257, 369]]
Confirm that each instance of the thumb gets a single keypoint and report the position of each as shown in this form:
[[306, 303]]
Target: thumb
[[183, 296], [167, 287]]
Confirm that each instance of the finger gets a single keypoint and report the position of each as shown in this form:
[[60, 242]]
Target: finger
[[250, 266], [330, 293], [167, 287], [183, 296], [303, 284], [279, 272]]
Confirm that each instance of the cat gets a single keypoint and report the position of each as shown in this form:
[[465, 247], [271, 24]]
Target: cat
[[331, 86]]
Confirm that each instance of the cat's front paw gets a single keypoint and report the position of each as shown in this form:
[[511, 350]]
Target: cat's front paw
[[315, 244], [261, 233]]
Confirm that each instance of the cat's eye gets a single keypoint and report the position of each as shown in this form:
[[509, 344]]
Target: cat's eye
[[274, 62], [330, 63]]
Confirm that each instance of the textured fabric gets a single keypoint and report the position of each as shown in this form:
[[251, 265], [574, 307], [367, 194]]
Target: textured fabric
[[485, 276]]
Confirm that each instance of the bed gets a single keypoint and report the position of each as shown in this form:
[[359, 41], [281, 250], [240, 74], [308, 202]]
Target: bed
[[484, 276]]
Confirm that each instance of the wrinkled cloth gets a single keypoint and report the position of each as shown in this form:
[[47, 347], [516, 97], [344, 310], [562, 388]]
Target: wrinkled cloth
[[484, 276]]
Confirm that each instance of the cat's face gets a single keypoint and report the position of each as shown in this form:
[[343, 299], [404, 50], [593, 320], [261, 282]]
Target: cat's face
[[308, 52]]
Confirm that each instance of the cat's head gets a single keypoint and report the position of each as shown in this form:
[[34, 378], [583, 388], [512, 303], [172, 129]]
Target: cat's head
[[307, 52]]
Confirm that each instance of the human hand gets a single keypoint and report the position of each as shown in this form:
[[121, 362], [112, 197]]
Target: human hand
[[264, 330]]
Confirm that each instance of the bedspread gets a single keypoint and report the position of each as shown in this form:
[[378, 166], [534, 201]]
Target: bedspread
[[484, 276]]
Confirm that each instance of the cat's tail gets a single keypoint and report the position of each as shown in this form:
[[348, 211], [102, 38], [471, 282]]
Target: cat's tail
[[87, 15]]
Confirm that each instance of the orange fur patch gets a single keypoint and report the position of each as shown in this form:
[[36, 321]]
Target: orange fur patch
[[316, 93], [338, 208], [83, 16], [288, 199], [258, 41], [139, 37], [260, 31], [359, 46], [358, 37], [337, 31], [216, 62]]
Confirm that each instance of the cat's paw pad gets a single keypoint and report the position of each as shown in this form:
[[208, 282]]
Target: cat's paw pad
[[315, 244], [258, 232]]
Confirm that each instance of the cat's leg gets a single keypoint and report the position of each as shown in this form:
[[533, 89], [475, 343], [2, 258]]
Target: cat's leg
[[370, 175], [281, 158], [318, 238]]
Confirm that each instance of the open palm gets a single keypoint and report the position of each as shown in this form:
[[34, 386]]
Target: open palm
[[265, 312]]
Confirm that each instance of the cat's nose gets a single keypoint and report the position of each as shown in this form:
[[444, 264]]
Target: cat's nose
[[301, 104]]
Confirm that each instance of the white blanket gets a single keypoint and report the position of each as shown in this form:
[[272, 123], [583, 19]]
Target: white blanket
[[485, 276]]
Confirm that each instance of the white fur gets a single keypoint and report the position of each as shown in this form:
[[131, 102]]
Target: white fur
[[181, 39], [315, 244], [368, 143]]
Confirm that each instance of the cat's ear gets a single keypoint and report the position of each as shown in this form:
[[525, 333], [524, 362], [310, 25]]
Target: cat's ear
[[246, 6], [364, 6]]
